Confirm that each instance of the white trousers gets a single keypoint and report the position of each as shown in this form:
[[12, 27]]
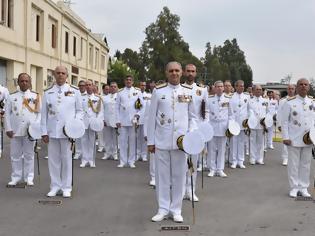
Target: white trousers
[[216, 153], [60, 164], [246, 143], [194, 159], [141, 143], [127, 133], [257, 144], [270, 136], [88, 146], [238, 146], [78, 146], [284, 152], [170, 176], [110, 139], [100, 138], [22, 150], [152, 166], [299, 165]]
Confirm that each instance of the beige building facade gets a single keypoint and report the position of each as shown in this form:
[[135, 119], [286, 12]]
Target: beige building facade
[[38, 35]]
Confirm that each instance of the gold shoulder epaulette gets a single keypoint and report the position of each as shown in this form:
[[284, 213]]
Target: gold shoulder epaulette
[[48, 88], [310, 96], [186, 86], [161, 86], [201, 85], [137, 88], [291, 98], [72, 86], [14, 92]]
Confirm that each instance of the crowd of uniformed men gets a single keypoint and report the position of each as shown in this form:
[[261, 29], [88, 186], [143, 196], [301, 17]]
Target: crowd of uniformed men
[[139, 125]]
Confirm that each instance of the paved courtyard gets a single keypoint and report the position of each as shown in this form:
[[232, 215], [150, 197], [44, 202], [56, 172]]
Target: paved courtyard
[[111, 201]]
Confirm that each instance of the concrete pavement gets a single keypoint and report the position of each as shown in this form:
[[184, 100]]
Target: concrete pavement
[[112, 201]]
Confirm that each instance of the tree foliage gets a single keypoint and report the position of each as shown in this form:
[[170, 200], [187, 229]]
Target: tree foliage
[[163, 43], [118, 70], [226, 62]]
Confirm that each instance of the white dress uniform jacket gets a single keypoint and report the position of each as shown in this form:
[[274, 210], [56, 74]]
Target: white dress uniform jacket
[[171, 115], [239, 106], [60, 103], [110, 109], [92, 108], [125, 106], [200, 94], [258, 106], [297, 118], [18, 115], [220, 113]]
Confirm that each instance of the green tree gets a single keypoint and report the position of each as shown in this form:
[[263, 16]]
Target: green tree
[[226, 62], [162, 44], [118, 71]]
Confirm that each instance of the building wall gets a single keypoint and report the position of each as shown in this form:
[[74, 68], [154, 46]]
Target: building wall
[[35, 43]]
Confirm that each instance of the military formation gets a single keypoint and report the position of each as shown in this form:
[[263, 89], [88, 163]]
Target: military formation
[[180, 127]]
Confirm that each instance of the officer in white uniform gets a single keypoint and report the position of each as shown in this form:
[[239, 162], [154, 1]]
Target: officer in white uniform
[[273, 108], [291, 93], [92, 108], [145, 132], [239, 106], [128, 109], [22, 108], [110, 130], [61, 102], [258, 107], [4, 94], [220, 114], [141, 143], [200, 101], [100, 135], [78, 142], [297, 120], [171, 115]]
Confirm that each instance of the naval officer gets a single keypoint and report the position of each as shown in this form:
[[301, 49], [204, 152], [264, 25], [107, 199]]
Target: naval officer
[[239, 106], [141, 142], [171, 115], [220, 114], [258, 107], [22, 108], [61, 103], [297, 119], [200, 98], [110, 131], [92, 109], [273, 109], [291, 93], [129, 106]]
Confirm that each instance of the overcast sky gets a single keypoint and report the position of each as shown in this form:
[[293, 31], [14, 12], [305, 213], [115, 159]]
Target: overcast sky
[[277, 36]]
